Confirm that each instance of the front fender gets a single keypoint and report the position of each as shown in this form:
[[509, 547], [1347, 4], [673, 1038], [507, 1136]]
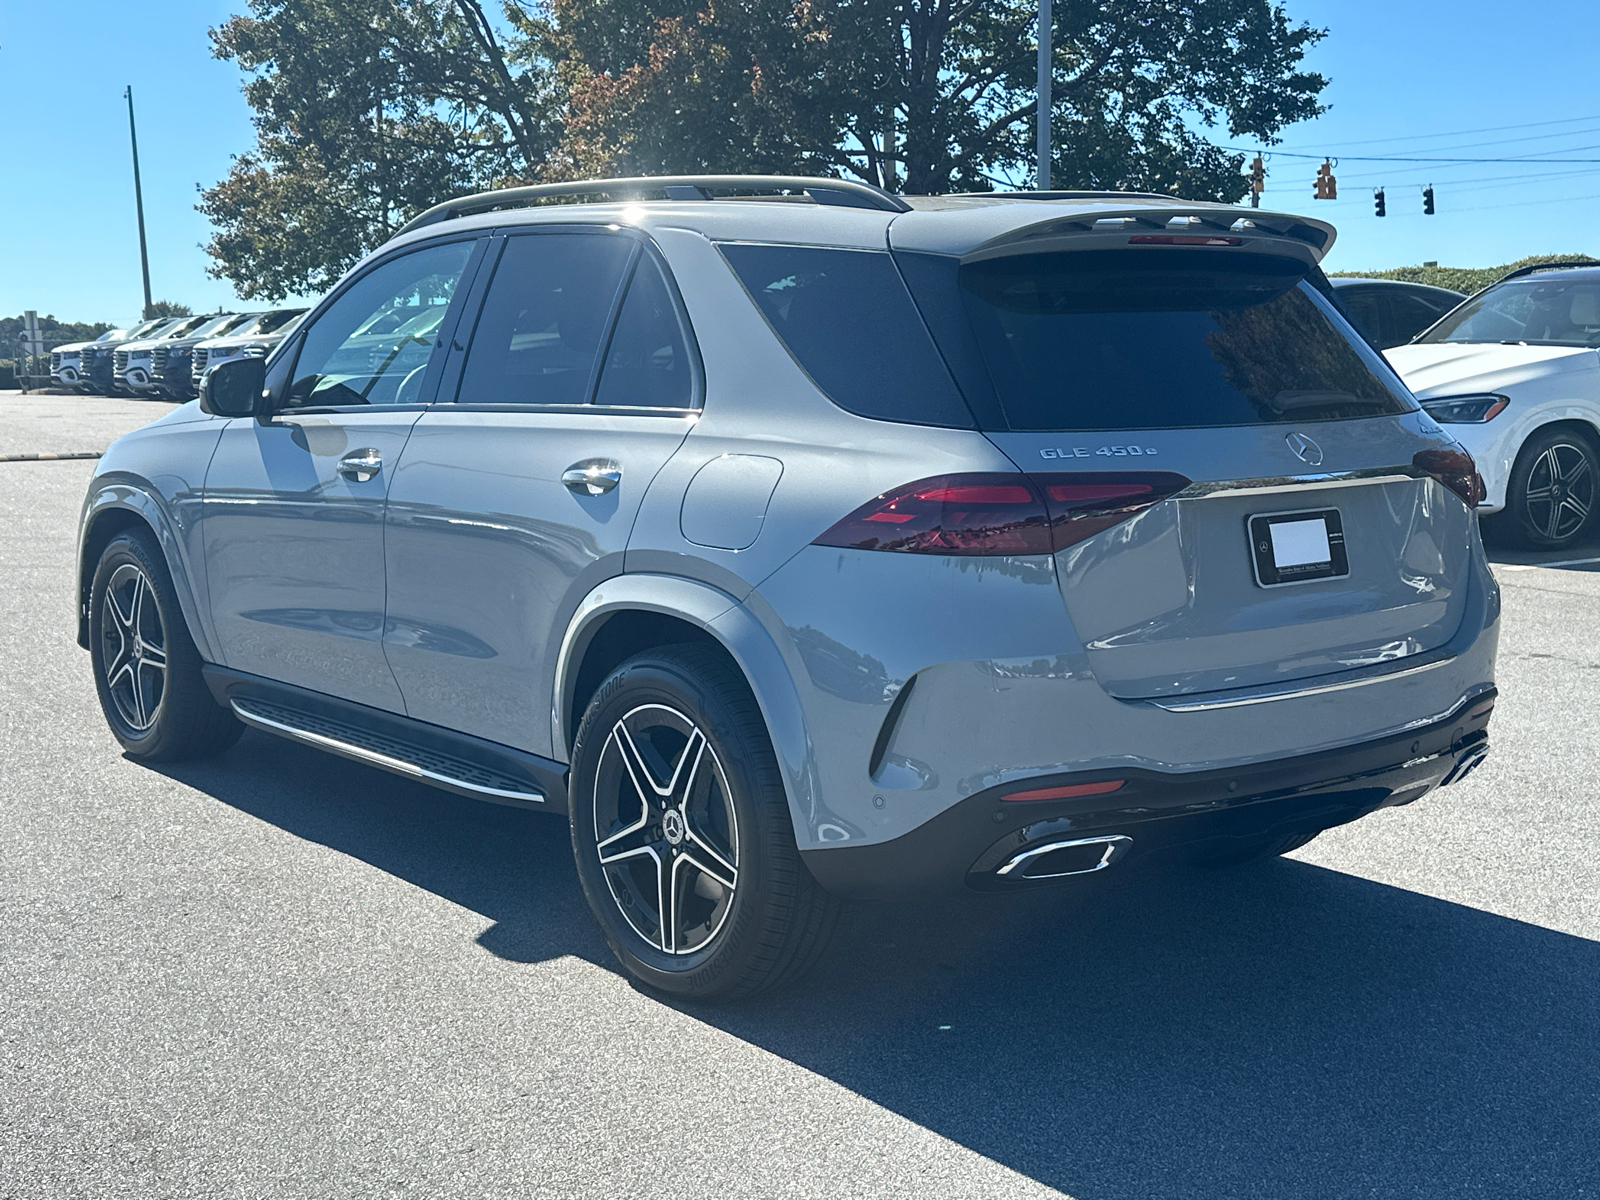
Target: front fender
[[115, 505], [746, 639]]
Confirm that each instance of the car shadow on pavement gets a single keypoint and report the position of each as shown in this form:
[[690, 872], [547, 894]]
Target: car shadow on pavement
[[1281, 1030]]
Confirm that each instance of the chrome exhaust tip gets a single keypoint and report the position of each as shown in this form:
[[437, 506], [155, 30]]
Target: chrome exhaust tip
[[1059, 859], [1471, 758]]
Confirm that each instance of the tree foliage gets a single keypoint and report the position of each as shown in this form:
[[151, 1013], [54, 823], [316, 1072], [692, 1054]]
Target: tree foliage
[[368, 112], [168, 308], [365, 113], [929, 94]]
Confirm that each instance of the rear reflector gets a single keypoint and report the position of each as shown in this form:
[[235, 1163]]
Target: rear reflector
[[997, 514], [1067, 791], [1455, 469]]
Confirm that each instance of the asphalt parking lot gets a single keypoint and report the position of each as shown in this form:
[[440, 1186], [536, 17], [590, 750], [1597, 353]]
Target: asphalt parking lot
[[281, 974]]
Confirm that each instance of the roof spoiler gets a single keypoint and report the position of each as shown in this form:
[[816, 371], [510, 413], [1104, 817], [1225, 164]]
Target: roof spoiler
[[1174, 218], [839, 193]]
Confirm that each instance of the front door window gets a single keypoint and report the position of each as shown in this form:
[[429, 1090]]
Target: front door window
[[374, 343]]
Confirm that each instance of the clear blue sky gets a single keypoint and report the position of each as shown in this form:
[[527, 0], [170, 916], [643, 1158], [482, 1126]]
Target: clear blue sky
[[1404, 74]]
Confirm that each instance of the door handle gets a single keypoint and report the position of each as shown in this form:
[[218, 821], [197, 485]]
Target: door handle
[[592, 476], [361, 465]]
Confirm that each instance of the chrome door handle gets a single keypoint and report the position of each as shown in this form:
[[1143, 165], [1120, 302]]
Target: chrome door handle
[[361, 465], [592, 476]]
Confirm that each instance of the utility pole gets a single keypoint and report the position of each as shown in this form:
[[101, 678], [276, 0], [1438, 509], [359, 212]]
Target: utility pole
[[138, 203], [1042, 180]]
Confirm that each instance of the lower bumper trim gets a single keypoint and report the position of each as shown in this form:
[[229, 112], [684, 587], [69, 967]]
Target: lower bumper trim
[[1165, 814]]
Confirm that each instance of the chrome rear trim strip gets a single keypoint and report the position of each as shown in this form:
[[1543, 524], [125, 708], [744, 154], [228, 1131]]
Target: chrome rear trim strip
[[1299, 693], [1298, 483], [374, 758]]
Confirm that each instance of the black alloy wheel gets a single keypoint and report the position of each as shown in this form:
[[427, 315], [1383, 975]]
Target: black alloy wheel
[[1553, 489], [146, 666], [682, 834]]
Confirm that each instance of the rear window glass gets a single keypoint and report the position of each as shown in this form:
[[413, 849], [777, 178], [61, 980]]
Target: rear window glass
[[848, 320], [1107, 340]]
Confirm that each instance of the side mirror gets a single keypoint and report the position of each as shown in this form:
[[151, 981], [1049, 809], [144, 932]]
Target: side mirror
[[233, 389]]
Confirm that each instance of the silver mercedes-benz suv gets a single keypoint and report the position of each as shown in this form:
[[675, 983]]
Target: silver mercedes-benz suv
[[799, 541]]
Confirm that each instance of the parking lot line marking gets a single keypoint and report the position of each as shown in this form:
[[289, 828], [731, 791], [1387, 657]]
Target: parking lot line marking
[[1565, 562]]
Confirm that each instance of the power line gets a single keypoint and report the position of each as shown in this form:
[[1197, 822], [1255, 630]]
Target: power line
[[1417, 137], [1398, 159]]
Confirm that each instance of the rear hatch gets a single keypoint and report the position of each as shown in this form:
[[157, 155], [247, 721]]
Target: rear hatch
[[1294, 524]]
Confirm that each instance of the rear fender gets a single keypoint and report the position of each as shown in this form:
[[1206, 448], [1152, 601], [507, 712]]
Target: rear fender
[[752, 649]]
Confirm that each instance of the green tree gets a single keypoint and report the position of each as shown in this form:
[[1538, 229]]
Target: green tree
[[169, 308], [365, 114], [927, 94]]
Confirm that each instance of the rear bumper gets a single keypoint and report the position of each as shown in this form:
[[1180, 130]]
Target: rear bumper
[[985, 842]]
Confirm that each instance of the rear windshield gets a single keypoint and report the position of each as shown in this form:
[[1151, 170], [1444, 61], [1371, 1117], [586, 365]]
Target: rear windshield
[[1106, 340], [1546, 310]]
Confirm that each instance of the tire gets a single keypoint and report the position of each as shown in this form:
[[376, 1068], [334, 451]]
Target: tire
[[1553, 490], [146, 667], [739, 912], [1270, 847]]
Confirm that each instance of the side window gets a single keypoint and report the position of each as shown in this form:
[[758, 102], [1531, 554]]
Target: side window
[[849, 322], [1413, 314], [1363, 306], [545, 315], [373, 344], [647, 362]]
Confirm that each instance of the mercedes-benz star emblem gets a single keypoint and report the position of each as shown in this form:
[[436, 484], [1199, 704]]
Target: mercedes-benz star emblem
[[672, 826], [1305, 449]]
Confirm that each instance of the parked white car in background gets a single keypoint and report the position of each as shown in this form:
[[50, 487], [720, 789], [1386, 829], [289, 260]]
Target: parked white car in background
[[1514, 375], [254, 340]]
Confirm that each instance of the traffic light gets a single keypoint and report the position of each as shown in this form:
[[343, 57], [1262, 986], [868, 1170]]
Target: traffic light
[[1258, 180], [1378, 204], [1427, 201], [1327, 185]]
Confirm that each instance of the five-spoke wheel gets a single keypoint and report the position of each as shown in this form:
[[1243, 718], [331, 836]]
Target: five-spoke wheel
[[682, 834], [146, 666], [135, 646], [665, 829], [1553, 489]]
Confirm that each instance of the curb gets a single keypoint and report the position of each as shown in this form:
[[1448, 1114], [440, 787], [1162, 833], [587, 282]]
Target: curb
[[4, 458]]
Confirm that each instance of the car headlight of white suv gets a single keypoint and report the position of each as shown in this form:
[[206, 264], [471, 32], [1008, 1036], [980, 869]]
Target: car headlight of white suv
[[1473, 409]]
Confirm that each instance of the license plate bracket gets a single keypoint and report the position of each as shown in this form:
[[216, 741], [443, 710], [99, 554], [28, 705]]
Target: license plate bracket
[[1298, 547]]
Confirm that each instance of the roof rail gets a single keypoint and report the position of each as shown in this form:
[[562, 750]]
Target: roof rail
[[842, 193], [1024, 194], [1549, 266]]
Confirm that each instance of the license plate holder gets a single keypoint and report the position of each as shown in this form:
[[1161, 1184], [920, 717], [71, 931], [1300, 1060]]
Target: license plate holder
[[1298, 547]]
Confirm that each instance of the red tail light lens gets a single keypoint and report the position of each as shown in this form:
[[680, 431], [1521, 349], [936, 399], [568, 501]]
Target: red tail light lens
[[992, 514], [1455, 469]]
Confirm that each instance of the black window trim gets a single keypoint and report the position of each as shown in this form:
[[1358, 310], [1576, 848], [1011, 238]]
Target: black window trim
[[642, 245]]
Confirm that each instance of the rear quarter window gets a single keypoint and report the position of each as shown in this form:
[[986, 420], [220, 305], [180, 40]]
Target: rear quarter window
[[847, 319]]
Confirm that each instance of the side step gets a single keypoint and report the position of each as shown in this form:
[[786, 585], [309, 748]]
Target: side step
[[391, 754]]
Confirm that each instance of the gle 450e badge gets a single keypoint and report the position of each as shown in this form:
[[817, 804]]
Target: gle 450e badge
[[1100, 452]]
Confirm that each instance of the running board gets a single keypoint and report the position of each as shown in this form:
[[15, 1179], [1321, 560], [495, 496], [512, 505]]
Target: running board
[[390, 754]]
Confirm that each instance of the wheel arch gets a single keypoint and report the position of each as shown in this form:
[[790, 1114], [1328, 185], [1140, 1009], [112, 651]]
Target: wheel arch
[[112, 510], [631, 613]]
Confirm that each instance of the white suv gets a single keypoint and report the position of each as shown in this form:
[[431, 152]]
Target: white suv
[[1514, 374]]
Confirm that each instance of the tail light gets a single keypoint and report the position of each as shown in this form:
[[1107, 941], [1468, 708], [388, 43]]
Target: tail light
[[995, 514], [1455, 469]]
